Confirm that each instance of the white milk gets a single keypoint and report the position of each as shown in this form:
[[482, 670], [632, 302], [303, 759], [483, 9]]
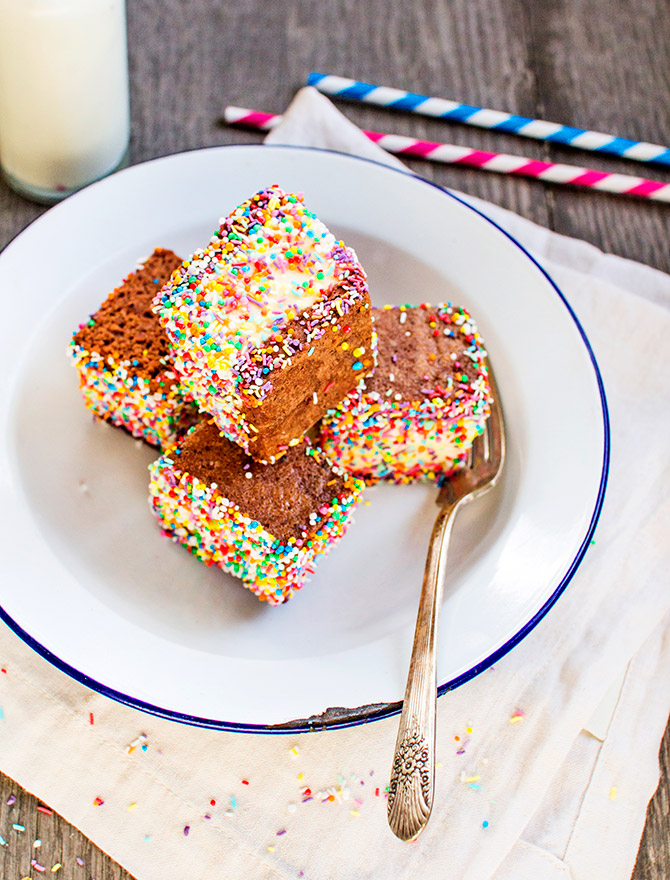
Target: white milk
[[64, 118]]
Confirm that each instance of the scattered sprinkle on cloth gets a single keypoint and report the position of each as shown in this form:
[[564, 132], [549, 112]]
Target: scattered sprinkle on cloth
[[523, 792]]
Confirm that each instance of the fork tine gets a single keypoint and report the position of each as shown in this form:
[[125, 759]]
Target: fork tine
[[495, 425], [485, 458], [479, 450], [486, 440]]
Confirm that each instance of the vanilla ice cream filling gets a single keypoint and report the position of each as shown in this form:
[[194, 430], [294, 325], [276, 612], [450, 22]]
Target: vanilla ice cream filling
[[248, 302], [405, 449]]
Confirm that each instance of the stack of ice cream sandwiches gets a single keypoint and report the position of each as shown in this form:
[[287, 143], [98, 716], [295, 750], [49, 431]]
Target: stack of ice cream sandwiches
[[275, 391]]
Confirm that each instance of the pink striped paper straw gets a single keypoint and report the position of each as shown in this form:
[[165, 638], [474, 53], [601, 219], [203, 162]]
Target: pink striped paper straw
[[503, 163]]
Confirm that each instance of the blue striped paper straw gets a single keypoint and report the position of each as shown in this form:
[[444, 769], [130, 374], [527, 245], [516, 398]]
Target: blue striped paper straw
[[440, 108]]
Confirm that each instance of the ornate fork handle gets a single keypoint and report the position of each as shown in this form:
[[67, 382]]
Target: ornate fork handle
[[410, 797]]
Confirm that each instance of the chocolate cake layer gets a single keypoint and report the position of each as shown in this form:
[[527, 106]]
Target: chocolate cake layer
[[314, 383], [265, 524], [415, 355], [125, 328], [281, 496], [126, 371]]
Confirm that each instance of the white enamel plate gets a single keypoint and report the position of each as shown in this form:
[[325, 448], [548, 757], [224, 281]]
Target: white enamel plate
[[90, 583]]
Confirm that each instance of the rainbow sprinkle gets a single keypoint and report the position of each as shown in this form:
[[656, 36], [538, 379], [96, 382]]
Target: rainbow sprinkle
[[418, 414], [116, 393], [269, 285]]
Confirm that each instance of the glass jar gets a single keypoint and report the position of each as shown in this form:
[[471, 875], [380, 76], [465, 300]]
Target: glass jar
[[64, 114]]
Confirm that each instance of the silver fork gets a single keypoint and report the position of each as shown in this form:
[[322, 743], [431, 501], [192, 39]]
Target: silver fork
[[410, 797]]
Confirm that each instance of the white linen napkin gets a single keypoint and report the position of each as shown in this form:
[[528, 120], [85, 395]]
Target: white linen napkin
[[523, 792]]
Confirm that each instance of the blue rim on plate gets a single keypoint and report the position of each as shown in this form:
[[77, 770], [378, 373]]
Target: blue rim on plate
[[340, 717]]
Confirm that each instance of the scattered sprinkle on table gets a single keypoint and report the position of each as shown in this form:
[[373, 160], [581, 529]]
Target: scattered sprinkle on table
[[98, 802], [141, 741], [613, 793], [462, 746], [517, 716]]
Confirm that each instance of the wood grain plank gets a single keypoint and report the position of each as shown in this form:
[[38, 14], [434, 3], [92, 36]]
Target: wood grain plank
[[653, 858], [435, 48], [58, 842], [597, 66], [15, 214]]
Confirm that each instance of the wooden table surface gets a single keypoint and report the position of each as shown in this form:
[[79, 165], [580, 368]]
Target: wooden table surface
[[601, 65]]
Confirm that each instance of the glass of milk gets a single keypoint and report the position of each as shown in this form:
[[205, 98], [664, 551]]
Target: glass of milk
[[64, 116]]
